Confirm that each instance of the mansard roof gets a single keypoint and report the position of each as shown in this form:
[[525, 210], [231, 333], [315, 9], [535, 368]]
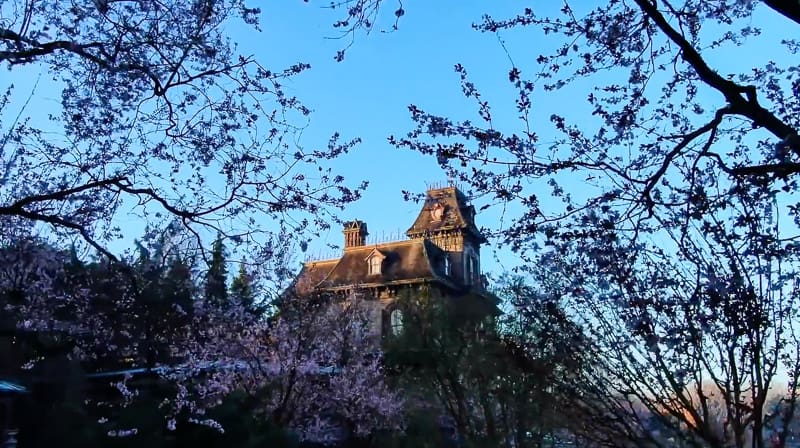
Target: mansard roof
[[457, 214], [312, 274], [408, 261]]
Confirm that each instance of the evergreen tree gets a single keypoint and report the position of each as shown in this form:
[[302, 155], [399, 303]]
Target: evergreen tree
[[242, 290], [178, 283], [216, 278], [145, 309]]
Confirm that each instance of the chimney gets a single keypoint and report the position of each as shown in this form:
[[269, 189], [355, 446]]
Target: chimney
[[355, 234]]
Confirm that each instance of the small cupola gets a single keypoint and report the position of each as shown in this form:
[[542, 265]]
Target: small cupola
[[355, 234]]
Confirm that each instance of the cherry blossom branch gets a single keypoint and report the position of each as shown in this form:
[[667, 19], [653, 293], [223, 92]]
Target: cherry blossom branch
[[742, 100]]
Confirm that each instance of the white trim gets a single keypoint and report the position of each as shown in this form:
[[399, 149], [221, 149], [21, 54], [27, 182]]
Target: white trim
[[375, 262], [374, 265]]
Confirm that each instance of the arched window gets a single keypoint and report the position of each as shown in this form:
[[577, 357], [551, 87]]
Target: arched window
[[446, 265], [396, 322]]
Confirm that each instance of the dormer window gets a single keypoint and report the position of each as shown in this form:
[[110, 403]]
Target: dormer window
[[374, 266], [375, 262]]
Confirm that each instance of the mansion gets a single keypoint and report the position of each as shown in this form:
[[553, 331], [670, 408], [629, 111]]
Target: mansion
[[442, 254]]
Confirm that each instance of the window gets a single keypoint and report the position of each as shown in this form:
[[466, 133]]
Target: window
[[375, 265], [396, 322], [446, 265], [471, 272], [374, 262]]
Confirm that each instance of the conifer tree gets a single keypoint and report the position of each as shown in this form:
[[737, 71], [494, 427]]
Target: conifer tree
[[216, 288], [242, 290]]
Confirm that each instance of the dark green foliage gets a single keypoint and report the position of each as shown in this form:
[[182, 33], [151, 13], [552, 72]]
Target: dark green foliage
[[546, 354], [53, 412], [216, 289], [423, 430], [68, 421], [33, 275], [144, 309], [244, 427], [469, 379], [242, 291], [483, 378]]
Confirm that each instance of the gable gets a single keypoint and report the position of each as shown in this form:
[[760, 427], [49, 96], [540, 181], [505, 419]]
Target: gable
[[375, 253]]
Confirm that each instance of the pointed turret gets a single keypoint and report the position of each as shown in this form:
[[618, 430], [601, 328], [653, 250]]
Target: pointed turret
[[445, 209], [448, 220]]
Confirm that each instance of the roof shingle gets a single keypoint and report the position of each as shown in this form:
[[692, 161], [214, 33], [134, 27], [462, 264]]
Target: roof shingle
[[405, 260]]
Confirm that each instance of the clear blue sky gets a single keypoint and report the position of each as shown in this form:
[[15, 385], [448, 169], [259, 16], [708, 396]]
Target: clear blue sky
[[367, 94]]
